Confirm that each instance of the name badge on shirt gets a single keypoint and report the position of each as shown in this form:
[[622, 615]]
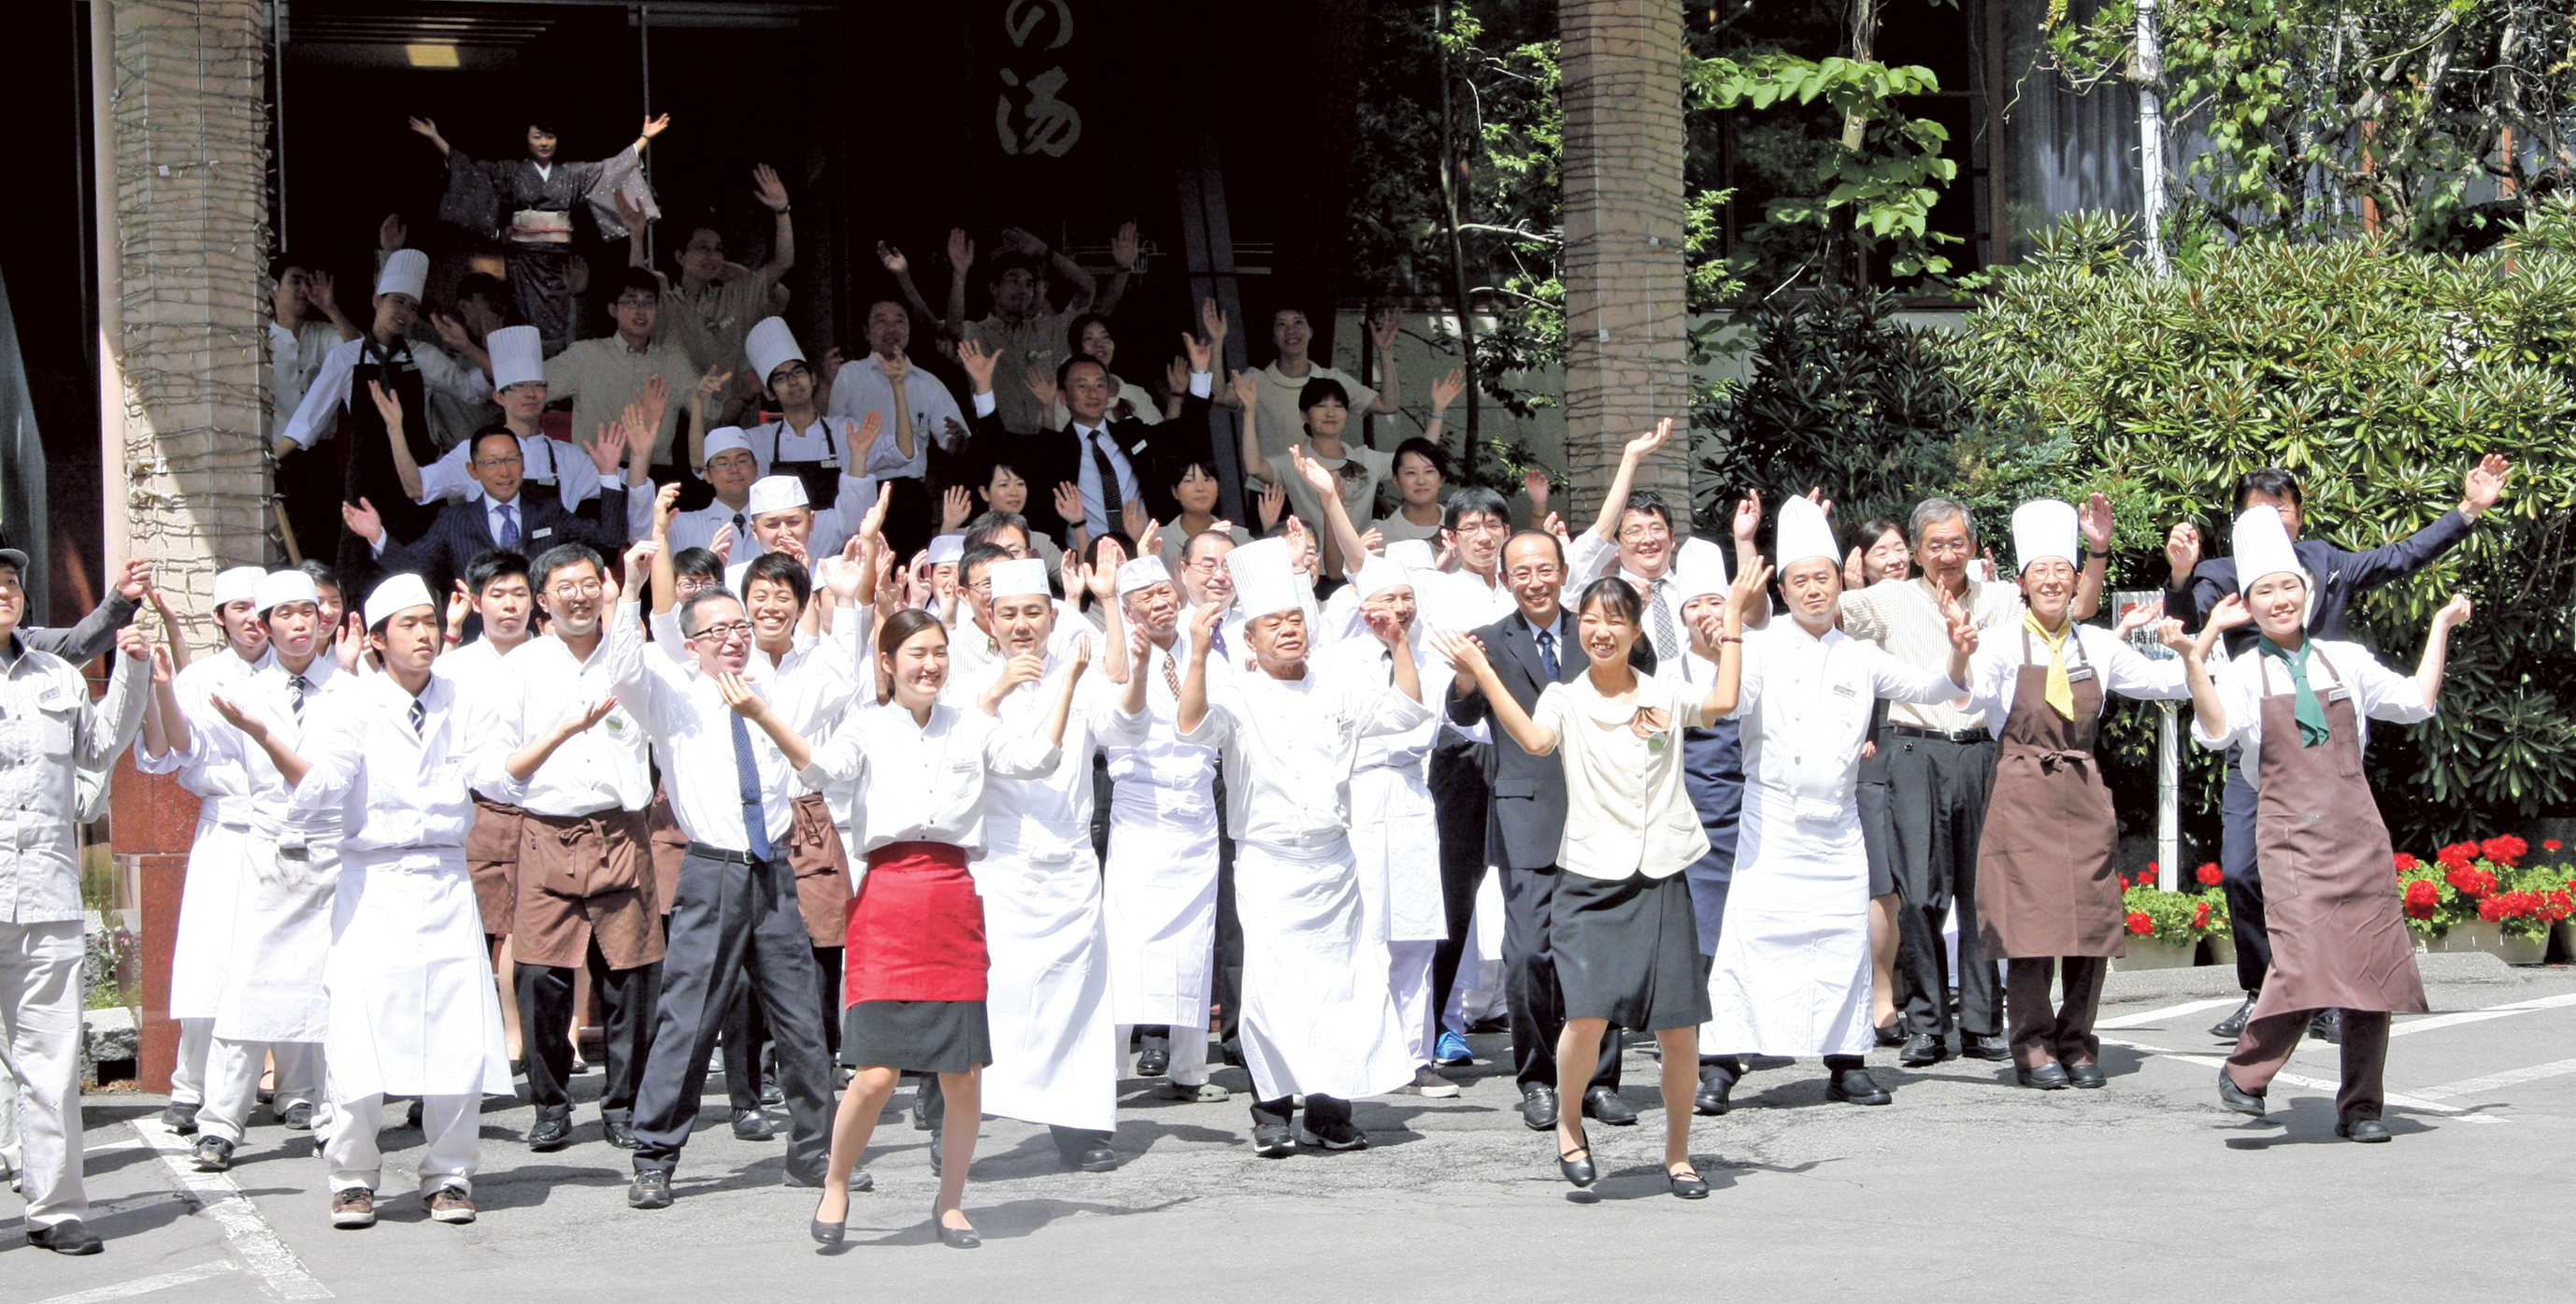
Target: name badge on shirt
[[832, 461], [1136, 449], [1845, 690], [2079, 674], [541, 532], [2338, 693]]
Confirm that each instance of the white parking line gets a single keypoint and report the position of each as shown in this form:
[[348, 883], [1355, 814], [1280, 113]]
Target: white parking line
[[2168, 1012], [145, 1285], [245, 1230], [2431, 1022], [2416, 1102], [2493, 1081]]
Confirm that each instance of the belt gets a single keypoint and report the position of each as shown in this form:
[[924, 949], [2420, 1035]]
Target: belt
[[705, 852], [1947, 735]]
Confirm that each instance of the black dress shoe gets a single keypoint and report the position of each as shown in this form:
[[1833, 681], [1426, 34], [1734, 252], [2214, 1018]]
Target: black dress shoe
[[1092, 1159], [1985, 1046], [549, 1133], [650, 1190], [2237, 1098], [958, 1238], [2326, 1026], [1891, 1035], [1153, 1062], [2233, 1026], [2044, 1077], [70, 1237], [1922, 1050], [620, 1134], [2365, 1130], [806, 1177], [1604, 1104], [772, 1094], [1273, 1141], [2087, 1077], [1333, 1134], [752, 1125], [1687, 1183], [1855, 1086], [179, 1118], [1716, 1092], [1538, 1106], [1577, 1171]]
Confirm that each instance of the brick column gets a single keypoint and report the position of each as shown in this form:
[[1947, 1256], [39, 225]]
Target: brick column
[[181, 173], [1627, 354]]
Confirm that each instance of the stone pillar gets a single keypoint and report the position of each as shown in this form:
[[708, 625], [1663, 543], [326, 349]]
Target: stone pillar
[[181, 174], [1627, 351]]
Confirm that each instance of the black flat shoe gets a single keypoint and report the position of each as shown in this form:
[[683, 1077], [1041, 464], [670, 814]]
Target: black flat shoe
[[1153, 1063], [2044, 1077], [1577, 1171], [2086, 1077], [620, 1135], [1984, 1046], [1892, 1034], [1686, 1183], [2366, 1130], [548, 1135], [70, 1237], [2233, 1026], [1605, 1105], [2326, 1026], [829, 1233], [2237, 1098], [955, 1238]]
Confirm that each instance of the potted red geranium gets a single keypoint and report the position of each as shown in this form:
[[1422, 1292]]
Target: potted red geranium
[[2165, 928], [2477, 896]]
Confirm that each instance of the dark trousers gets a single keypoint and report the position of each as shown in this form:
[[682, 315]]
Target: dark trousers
[[2240, 880], [1937, 795], [2063, 1034], [2268, 1041], [745, 1032], [1538, 1007], [733, 923], [545, 1022], [1319, 1109], [1458, 797]]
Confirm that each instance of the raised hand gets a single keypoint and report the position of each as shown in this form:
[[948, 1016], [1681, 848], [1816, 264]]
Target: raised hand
[[452, 331], [872, 521], [130, 642], [1856, 569], [629, 211], [1176, 373], [1247, 390], [2454, 613], [2485, 484], [460, 604], [362, 520], [1446, 390], [655, 126], [2228, 613], [609, 449], [1122, 246], [639, 559], [134, 579], [1081, 656], [1373, 542], [1643, 445], [2095, 523], [1312, 472], [979, 362], [1068, 501], [1747, 520], [350, 643], [1133, 519], [768, 189], [666, 505], [388, 405], [1534, 483], [252, 726], [2140, 616], [2182, 551], [712, 384], [319, 289], [1040, 384], [1382, 331], [1555, 524], [1102, 579], [656, 400], [956, 505], [1020, 240], [1461, 651], [1022, 668], [1273, 501], [1149, 539], [961, 251], [161, 671], [1212, 318], [1963, 635], [739, 696], [722, 544], [895, 263], [1383, 626], [2169, 632], [1202, 356], [833, 361]]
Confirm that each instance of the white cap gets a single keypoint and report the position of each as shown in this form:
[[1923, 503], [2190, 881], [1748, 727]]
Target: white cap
[[2263, 548], [1142, 573], [396, 594], [1697, 582], [277, 588], [238, 583], [1266, 579], [1019, 577], [406, 272], [724, 439], [774, 493], [1803, 533], [947, 549], [771, 346], [2044, 527], [1377, 575], [1698, 554], [1413, 554], [518, 356]]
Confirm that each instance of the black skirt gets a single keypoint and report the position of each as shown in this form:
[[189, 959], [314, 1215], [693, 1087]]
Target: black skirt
[[1627, 950], [916, 1036]]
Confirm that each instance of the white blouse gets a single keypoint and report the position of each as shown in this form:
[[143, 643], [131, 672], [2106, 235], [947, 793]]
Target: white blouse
[[1625, 809], [923, 783], [1995, 671], [2378, 693]]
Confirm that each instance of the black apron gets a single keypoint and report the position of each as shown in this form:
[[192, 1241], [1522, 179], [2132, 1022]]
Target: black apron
[[370, 469], [822, 478]]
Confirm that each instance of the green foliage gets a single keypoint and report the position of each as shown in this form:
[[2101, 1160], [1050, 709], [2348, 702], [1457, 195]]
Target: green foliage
[[1886, 185], [2178, 917]]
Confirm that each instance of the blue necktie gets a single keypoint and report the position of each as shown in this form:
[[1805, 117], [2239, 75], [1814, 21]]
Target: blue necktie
[[1216, 640], [755, 821], [1547, 653], [509, 536]]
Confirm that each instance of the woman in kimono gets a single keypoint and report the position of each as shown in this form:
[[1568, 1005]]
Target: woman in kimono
[[526, 204], [915, 978], [2050, 900], [2298, 707]]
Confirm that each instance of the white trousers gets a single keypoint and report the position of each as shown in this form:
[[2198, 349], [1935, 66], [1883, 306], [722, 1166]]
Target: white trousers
[[453, 1125], [188, 1076], [1408, 980], [1189, 1053], [232, 1082], [40, 1013]]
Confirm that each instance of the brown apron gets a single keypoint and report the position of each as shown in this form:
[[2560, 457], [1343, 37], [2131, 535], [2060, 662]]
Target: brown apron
[[582, 877], [492, 855], [2338, 932], [2048, 878], [822, 868], [670, 846]]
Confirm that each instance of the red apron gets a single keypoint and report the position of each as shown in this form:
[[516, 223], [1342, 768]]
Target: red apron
[[916, 928]]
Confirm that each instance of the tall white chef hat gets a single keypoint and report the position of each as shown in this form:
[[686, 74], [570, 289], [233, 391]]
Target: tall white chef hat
[[406, 272], [1377, 575], [277, 588], [2044, 527], [1413, 554], [1020, 577], [1266, 579], [947, 549], [237, 583], [1142, 573], [518, 356], [771, 346], [1702, 555], [1696, 582], [397, 594], [775, 493], [2263, 548], [724, 439], [1804, 533]]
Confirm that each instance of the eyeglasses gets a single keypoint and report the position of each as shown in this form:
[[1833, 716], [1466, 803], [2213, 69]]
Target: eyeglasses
[[725, 633], [1522, 574], [792, 371], [1645, 531], [636, 301], [577, 589], [507, 459], [1948, 547]]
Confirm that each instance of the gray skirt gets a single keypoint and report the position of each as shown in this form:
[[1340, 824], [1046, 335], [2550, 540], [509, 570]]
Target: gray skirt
[[1627, 950], [916, 1036]]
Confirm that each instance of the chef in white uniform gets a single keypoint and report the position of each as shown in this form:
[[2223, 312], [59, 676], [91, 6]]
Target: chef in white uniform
[[730, 470], [1318, 1021], [782, 520], [805, 442], [1394, 832], [205, 938], [1792, 971], [519, 386], [272, 1004], [1158, 898]]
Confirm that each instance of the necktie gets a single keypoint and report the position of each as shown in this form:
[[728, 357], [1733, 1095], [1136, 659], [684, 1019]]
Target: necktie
[[419, 716], [297, 688], [903, 435], [1171, 677], [755, 821], [2304, 704], [1547, 653], [741, 528], [1665, 638], [2060, 692], [1111, 499], [509, 533], [1216, 640]]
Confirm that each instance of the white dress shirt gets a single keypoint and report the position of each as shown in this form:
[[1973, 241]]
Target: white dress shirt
[[863, 387], [924, 783], [604, 767], [686, 716], [1805, 704], [294, 359], [49, 730], [2336, 670], [1289, 748], [329, 391], [543, 460], [1994, 673], [1099, 515]]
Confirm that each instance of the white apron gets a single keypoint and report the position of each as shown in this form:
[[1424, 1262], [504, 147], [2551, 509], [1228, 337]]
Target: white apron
[[1158, 904], [1317, 1017], [1395, 838], [273, 989], [1791, 976], [208, 900], [413, 1008], [1055, 1048]]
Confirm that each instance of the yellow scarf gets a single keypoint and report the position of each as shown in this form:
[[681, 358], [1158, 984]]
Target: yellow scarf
[[2060, 692]]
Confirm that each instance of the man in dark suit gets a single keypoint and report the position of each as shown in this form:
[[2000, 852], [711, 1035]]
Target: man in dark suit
[[2338, 576], [499, 516], [1087, 474], [1525, 824]]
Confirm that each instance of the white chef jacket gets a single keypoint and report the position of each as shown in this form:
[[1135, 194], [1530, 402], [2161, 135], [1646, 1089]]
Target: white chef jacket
[[267, 696], [392, 795], [329, 391], [1290, 745], [220, 785], [2378, 693], [1805, 704]]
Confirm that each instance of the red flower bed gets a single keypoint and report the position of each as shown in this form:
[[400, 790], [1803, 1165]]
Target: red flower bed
[[2139, 924], [2505, 850], [2422, 899], [2469, 880], [2208, 874]]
